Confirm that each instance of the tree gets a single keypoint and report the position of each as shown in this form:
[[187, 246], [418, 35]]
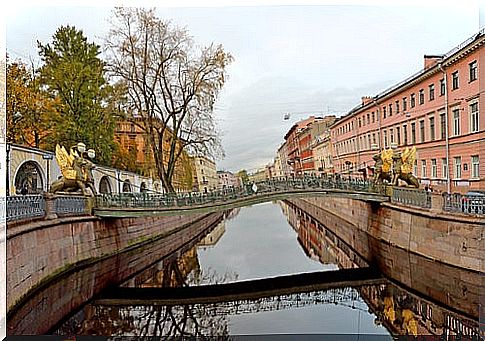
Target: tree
[[171, 85], [30, 113], [73, 73]]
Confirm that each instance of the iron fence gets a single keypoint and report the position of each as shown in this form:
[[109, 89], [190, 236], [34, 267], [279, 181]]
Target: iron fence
[[412, 197], [468, 204], [70, 205], [261, 188], [25, 206]]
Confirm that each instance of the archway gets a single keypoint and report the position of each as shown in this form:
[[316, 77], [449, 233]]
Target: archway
[[104, 185], [28, 179], [126, 186], [143, 187]]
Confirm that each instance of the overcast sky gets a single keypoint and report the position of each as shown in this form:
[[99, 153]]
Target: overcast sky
[[292, 59]]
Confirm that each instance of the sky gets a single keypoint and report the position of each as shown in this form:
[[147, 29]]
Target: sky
[[319, 58]]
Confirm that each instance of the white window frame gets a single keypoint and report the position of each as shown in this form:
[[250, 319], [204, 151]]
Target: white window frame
[[475, 164], [472, 114]]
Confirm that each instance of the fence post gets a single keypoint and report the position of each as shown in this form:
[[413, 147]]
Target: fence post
[[50, 206]]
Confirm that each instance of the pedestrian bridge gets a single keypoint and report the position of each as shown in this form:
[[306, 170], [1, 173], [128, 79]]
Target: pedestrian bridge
[[126, 205]]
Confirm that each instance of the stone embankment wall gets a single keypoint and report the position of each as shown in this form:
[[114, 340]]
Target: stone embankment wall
[[39, 251], [453, 239]]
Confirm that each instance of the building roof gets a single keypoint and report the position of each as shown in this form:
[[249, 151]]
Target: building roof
[[445, 59]]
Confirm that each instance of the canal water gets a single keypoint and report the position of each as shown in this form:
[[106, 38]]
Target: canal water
[[250, 243]]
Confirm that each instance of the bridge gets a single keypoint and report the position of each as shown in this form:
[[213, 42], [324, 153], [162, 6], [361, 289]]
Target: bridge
[[149, 203], [243, 290]]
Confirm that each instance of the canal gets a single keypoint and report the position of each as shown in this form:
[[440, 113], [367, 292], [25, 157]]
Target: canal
[[250, 243]]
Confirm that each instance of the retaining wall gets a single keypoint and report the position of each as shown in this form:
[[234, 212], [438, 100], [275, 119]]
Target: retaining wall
[[41, 250]]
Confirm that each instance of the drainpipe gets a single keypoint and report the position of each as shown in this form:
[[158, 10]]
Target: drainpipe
[[447, 141], [378, 124]]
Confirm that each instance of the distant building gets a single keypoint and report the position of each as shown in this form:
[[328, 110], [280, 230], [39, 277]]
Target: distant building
[[205, 177], [259, 175], [437, 110], [137, 156], [228, 180]]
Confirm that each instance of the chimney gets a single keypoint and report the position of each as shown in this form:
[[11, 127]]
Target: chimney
[[366, 100], [431, 60]]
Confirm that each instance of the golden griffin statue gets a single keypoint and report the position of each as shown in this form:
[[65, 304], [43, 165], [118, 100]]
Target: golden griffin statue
[[392, 166], [76, 171]]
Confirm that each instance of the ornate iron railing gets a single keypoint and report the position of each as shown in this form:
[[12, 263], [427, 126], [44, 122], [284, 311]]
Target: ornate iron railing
[[25, 206], [469, 204], [272, 186], [70, 205], [412, 197]]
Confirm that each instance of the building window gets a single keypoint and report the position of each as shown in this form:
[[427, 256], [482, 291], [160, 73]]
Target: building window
[[443, 126], [444, 168], [474, 117], [415, 167], [442, 86], [431, 92], [360, 122], [423, 168], [404, 104], [431, 129], [385, 138], [421, 96], [373, 117], [405, 134], [397, 107], [391, 136], [384, 112], [456, 122], [398, 136], [475, 167], [390, 110], [413, 133], [421, 130], [413, 100], [457, 167], [434, 170], [455, 84], [374, 138], [368, 118], [473, 70]]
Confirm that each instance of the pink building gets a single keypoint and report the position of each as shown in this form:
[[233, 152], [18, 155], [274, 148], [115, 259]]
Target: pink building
[[436, 110]]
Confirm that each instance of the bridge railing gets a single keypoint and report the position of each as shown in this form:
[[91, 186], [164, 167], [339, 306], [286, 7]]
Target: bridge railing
[[25, 207], [271, 186], [411, 197], [460, 203]]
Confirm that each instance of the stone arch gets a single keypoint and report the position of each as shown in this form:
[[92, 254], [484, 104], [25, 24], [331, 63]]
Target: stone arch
[[105, 185], [29, 178], [143, 187], [126, 186]]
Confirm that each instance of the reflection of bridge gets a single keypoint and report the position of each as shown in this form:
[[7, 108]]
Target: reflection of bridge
[[240, 291], [347, 296]]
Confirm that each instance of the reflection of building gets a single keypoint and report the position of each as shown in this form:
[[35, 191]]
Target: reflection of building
[[212, 238], [205, 174], [399, 310], [436, 110]]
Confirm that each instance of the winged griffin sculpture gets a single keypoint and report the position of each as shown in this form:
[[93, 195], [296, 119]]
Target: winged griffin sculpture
[[393, 165], [76, 172]]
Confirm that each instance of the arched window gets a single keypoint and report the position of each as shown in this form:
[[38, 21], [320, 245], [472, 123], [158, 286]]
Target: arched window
[[104, 185], [28, 179], [126, 186]]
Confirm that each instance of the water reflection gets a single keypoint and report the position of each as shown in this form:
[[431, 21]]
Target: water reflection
[[273, 240]]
